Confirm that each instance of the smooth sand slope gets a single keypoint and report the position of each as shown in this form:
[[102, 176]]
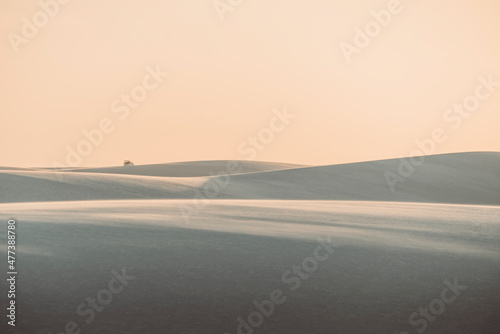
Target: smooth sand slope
[[467, 178], [188, 169], [387, 260], [176, 180]]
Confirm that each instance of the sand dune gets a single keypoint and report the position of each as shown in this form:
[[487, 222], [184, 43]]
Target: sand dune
[[382, 260], [188, 169], [468, 178], [387, 260], [42, 186]]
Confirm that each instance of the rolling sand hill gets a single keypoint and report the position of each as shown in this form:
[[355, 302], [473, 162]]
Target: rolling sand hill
[[346, 254], [468, 178], [188, 169], [465, 178]]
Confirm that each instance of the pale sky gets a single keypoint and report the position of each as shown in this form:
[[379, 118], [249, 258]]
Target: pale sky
[[227, 76]]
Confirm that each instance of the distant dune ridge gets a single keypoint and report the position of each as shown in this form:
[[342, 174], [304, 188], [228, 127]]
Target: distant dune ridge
[[188, 169], [465, 178]]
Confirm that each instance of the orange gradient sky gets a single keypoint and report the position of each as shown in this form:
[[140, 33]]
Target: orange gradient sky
[[227, 76]]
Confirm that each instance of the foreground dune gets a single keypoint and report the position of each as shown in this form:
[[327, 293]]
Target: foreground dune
[[386, 261]]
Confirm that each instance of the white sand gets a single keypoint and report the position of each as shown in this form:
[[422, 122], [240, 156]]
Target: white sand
[[199, 277], [466, 178]]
